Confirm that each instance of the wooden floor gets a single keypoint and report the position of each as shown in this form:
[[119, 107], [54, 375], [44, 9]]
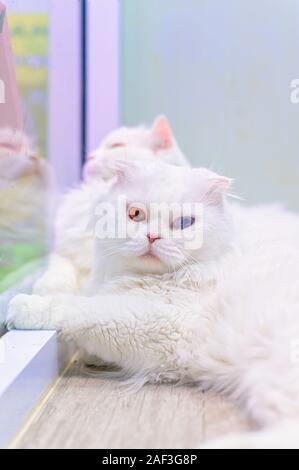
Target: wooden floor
[[84, 411]]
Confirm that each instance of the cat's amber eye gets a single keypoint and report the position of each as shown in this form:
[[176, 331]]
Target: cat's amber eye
[[180, 223], [136, 214]]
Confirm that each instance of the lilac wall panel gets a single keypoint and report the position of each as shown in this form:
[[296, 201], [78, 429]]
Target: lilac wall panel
[[65, 91], [103, 69]]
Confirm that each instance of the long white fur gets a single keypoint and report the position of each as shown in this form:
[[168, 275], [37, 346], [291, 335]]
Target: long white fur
[[225, 316]]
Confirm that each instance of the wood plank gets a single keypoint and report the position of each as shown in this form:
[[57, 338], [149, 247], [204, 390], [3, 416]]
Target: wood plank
[[88, 412]]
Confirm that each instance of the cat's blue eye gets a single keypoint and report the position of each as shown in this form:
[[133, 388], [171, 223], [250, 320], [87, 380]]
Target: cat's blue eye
[[183, 222]]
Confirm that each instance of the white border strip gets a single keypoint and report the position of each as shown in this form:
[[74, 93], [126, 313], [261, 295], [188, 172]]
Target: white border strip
[[102, 70], [28, 366]]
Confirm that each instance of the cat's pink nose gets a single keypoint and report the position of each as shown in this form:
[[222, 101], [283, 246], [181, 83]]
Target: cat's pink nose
[[152, 237]]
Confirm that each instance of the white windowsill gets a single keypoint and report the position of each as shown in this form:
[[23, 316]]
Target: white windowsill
[[30, 361]]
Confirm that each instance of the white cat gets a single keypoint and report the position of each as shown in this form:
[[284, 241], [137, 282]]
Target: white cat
[[24, 180], [222, 313], [70, 262], [24, 183]]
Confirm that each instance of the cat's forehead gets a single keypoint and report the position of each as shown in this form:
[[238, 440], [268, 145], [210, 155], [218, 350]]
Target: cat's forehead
[[149, 193], [161, 183]]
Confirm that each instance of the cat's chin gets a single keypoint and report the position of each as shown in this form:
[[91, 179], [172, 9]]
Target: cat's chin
[[148, 263]]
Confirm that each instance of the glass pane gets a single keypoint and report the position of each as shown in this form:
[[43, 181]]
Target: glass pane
[[22, 169], [33, 47], [221, 71]]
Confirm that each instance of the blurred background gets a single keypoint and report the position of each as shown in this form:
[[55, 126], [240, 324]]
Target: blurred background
[[28, 23], [219, 69]]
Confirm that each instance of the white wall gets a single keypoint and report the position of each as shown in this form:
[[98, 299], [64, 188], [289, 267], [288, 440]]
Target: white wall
[[221, 70]]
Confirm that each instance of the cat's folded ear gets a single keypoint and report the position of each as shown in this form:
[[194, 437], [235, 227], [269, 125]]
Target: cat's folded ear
[[124, 170], [218, 188], [214, 187], [122, 173], [161, 134]]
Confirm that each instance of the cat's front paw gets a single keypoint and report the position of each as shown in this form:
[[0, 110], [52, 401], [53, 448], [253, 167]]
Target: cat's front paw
[[28, 312]]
